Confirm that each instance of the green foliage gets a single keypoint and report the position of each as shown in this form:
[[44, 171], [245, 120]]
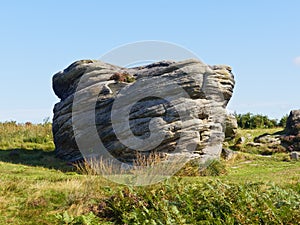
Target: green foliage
[[213, 202], [254, 190], [250, 189], [26, 136], [214, 168], [250, 121], [65, 218], [283, 120]]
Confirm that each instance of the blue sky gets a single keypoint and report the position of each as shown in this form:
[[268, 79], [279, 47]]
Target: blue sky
[[259, 39]]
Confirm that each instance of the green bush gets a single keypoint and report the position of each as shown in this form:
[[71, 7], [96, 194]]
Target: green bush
[[250, 121], [283, 120]]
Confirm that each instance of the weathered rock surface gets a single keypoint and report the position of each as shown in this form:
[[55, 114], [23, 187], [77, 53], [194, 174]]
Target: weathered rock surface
[[268, 143], [228, 154], [291, 138], [286, 141], [293, 123], [231, 127], [295, 155], [201, 134], [268, 139]]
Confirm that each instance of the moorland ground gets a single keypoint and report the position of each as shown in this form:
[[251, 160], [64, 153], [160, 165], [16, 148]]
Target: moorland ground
[[37, 188]]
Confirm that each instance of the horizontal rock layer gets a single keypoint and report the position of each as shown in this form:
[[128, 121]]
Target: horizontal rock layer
[[181, 103]]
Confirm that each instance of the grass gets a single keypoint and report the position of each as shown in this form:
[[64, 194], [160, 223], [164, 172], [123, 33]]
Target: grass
[[26, 136], [252, 133], [37, 188], [249, 135]]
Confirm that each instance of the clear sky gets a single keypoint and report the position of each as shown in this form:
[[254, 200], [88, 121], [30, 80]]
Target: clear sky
[[259, 39]]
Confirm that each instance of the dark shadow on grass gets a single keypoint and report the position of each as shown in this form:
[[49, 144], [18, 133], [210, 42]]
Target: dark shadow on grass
[[282, 132], [35, 157]]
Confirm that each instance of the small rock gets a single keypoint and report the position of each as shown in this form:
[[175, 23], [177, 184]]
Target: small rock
[[253, 144], [295, 155], [248, 136], [268, 139], [231, 127], [228, 154], [241, 140]]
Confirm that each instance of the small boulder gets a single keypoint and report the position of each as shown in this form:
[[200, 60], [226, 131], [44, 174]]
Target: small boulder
[[228, 154], [231, 127], [295, 155], [268, 139], [254, 144], [241, 141]]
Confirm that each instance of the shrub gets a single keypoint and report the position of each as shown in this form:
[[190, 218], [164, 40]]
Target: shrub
[[282, 122], [122, 77]]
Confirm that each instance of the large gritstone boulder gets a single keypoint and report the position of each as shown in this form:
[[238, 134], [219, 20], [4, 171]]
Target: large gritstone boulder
[[167, 107]]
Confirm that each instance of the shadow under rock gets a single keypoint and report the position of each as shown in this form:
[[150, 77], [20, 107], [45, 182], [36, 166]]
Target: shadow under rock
[[35, 157]]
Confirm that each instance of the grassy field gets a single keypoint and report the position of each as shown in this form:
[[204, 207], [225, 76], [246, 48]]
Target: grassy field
[[37, 188]]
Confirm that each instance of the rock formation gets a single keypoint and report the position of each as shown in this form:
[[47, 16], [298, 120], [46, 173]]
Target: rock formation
[[293, 123], [183, 102], [283, 141], [291, 138]]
